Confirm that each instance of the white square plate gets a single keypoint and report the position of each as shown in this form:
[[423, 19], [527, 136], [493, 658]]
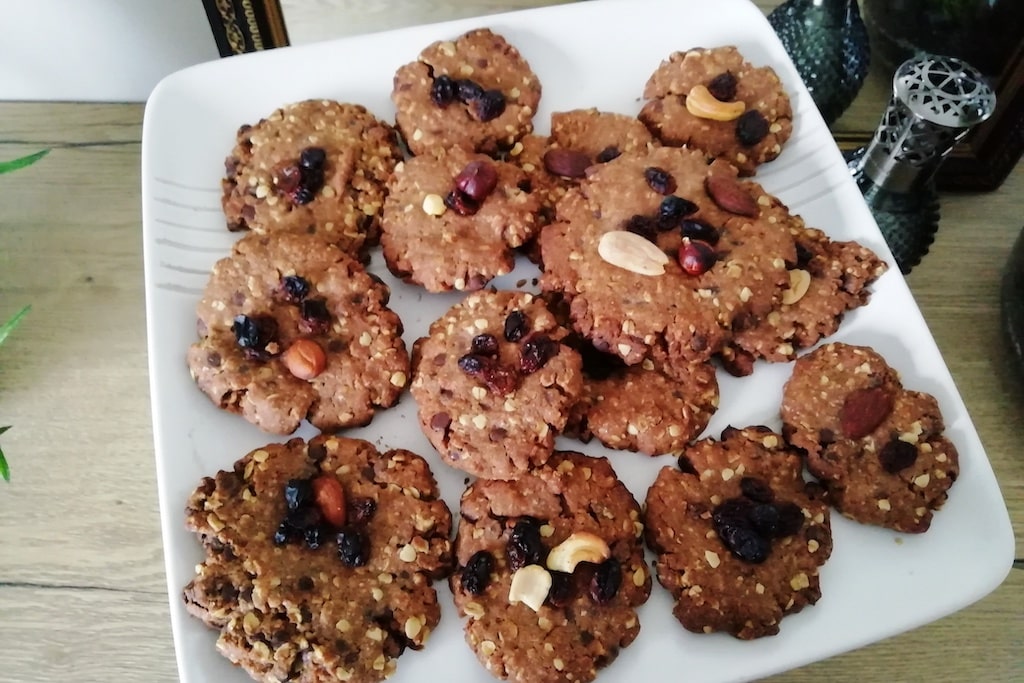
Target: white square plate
[[877, 583]]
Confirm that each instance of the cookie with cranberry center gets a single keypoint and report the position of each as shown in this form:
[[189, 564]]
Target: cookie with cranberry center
[[475, 92], [877, 447], [319, 559], [715, 101], [454, 221], [494, 383], [740, 537], [290, 329], [550, 570], [315, 166]]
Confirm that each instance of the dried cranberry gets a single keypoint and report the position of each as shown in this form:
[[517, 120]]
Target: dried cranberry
[[699, 230], [477, 180], [645, 226], [537, 350], [791, 519], [360, 510], [298, 493], [723, 87], [254, 334], [660, 180], [515, 326], [524, 544], [500, 379], [751, 127], [468, 90], [477, 574], [756, 490], [444, 90], [312, 158], [561, 589], [672, 210], [353, 547], [485, 345], [897, 455], [288, 179], [314, 316], [606, 581], [607, 154], [490, 105], [461, 203], [294, 288], [696, 256]]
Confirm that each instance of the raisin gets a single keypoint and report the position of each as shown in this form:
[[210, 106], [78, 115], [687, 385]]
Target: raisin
[[537, 350], [607, 154], [515, 326], [756, 490], [485, 345], [284, 534], [315, 536], [467, 90], [751, 127], [360, 510], [444, 91], [696, 256], [303, 194], [672, 210], [477, 574], [314, 316], [353, 547], [303, 518], [490, 105], [745, 543], [312, 158], [254, 334], [699, 230], [765, 519], [294, 288], [606, 581], [477, 180], [791, 519], [297, 493], [471, 364], [524, 544], [645, 226], [561, 589], [461, 203], [723, 87], [660, 180], [897, 455]]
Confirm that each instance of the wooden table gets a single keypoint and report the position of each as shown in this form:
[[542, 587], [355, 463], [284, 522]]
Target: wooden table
[[82, 591]]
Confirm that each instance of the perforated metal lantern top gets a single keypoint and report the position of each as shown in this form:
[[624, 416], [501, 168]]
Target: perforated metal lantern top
[[935, 102]]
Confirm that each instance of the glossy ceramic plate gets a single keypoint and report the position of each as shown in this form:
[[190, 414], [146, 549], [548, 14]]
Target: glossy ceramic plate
[[877, 583]]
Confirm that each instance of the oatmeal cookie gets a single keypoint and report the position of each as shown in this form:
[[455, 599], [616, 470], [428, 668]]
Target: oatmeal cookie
[[550, 570], [319, 559], [740, 537]]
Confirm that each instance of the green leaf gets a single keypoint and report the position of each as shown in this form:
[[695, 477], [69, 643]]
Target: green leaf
[[15, 164], [9, 326], [5, 471]]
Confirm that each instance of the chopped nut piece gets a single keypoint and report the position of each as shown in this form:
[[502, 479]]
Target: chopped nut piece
[[581, 546], [530, 586], [702, 104]]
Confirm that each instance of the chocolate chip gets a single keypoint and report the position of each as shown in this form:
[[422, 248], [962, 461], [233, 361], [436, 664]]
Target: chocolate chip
[[440, 422]]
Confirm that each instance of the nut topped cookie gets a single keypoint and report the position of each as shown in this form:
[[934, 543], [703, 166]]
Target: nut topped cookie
[[659, 253], [550, 570], [453, 221], [291, 328], [316, 166], [740, 537], [716, 101], [494, 383], [878, 448], [320, 558], [476, 92]]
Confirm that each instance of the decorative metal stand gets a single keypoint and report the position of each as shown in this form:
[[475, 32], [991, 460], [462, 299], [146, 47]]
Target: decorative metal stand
[[935, 102], [828, 43]]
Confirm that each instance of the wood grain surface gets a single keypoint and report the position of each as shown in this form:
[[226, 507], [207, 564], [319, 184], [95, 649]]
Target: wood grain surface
[[82, 587]]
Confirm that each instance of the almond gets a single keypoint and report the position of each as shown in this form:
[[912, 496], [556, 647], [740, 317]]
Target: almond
[[731, 196], [632, 252], [863, 410], [566, 162]]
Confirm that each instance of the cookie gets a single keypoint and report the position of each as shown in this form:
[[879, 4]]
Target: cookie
[[623, 237], [716, 101], [290, 329], [476, 92], [453, 221], [319, 559], [878, 448], [740, 537], [315, 166], [829, 279], [550, 570], [494, 383], [640, 407]]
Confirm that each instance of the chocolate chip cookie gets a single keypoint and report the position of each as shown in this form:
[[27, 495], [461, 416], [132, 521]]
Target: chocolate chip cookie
[[878, 448], [291, 328], [316, 166], [319, 559], [494, 383], [739, 536], [475, 92], [716, 101], [454, 221], [550, 570]]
